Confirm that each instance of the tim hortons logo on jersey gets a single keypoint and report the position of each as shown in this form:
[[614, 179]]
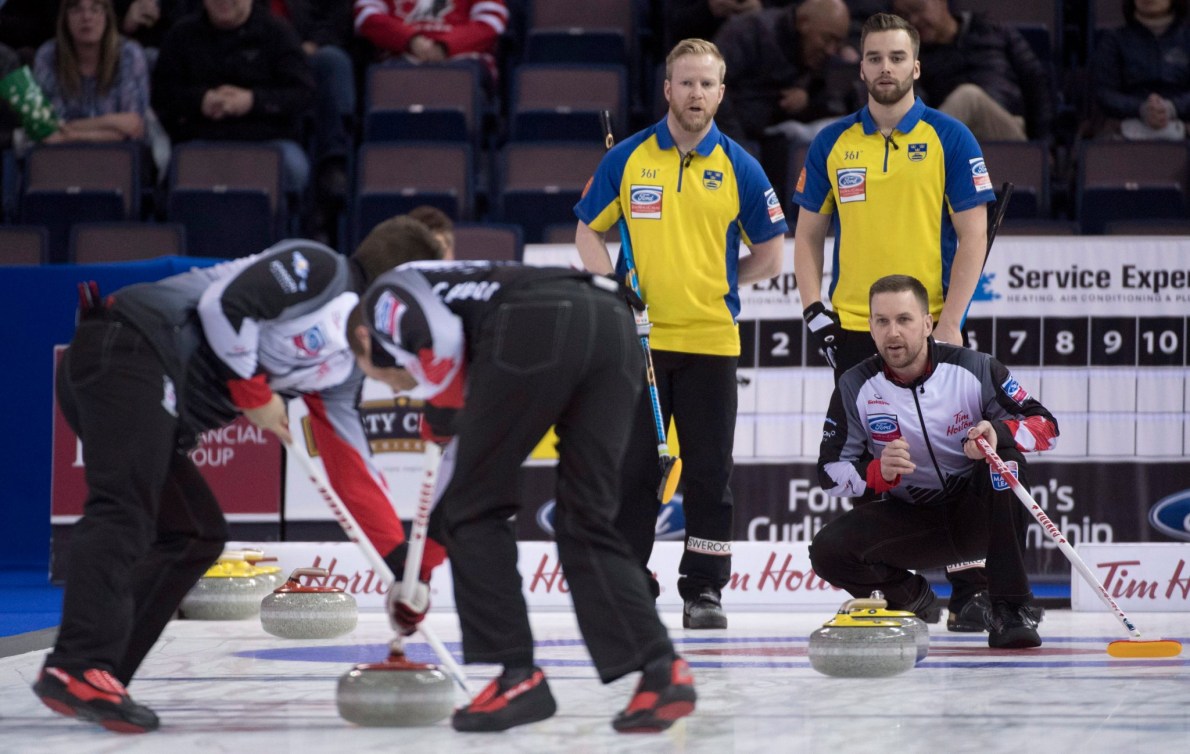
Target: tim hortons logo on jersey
[[917, 152], [1015, 390], [712, 179], [998, 482], [884, 427], [645, 202], [979, 175], [388, 312], [310, 342], [853, 184], [773, 206]]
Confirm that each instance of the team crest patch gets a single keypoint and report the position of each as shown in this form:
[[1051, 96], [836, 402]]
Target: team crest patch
[[884, 427], [310, 342], [979, 174], [645, 202], [712, 179], [853, 184], [1015, 390], [387, 314], [917, 152], [776, 215], [998, 483]]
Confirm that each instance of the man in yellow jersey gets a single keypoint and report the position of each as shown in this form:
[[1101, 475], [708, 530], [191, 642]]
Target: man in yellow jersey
[[902, 188], [690, 197]]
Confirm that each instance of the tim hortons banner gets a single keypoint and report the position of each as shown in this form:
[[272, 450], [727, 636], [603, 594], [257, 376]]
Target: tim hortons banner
[[1149, 577], [764, 576]]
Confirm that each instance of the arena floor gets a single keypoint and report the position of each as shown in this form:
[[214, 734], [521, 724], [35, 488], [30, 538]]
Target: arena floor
[[231, 687]]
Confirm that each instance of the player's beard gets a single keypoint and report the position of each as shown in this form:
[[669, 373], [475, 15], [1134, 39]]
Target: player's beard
[[693, 122], [891, 96]]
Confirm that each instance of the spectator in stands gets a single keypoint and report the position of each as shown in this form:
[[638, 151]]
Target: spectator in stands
[[9, 119], [235, 73], [776, 69], [1141, 72], [324, 26], [97, 82], [146, 21], [984, 74], [431, 32], [702, 19], [440, 225], [26, 24]]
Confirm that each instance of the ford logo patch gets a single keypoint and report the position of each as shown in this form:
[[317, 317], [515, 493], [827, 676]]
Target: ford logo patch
[[1171, 515], [850, 179], [646, 196]]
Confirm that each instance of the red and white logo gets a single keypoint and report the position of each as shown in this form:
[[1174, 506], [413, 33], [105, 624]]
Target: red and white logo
[[645, 202], [387, 314], [853, 184]]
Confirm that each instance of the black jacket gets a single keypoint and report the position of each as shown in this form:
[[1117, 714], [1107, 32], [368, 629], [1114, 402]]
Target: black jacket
[[263, 55], [1131, 63], [998, 60]]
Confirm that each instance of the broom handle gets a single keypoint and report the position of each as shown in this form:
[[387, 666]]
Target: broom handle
[[1054, 532]]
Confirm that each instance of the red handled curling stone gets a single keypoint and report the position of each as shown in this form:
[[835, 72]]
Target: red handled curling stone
[[297, 611], [394, 693]]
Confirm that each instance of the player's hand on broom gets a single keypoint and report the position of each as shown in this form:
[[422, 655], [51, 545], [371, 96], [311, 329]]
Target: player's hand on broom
[[824, 328], [406, 614], [272, 416], [971, 449]]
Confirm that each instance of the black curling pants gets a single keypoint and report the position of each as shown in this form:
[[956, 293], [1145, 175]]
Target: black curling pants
[[876, 545], [150, 525], [561, 352]]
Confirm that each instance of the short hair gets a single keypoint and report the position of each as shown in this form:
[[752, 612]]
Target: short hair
[[694, 46], [889, 22], [433, 218], [394, 242], [900, 284]]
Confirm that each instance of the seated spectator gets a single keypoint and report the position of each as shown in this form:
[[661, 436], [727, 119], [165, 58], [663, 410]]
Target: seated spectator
[[431, 32], [702, 19], [26, 24], [97, 83], [776, 70], [234, 72], [1141, 72], [440, 225], [324, 27], [984, 74], [146, 21], [10, 120]]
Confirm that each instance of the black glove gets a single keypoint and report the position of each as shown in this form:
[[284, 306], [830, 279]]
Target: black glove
[[632, 297], [825, 330]]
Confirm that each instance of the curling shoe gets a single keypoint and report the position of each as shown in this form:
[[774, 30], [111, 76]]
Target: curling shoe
[[1013, 626], [664, 694], [705, 610], [927, 607], [517, 697], [971, 615], [93, 695]]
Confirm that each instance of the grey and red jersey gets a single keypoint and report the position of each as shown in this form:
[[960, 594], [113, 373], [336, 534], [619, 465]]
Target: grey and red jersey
[[423, 315], [870, 409]]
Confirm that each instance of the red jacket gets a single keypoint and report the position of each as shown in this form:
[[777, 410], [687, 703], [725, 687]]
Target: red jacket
[[461, 26]]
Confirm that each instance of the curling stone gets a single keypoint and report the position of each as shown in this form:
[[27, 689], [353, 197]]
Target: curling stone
[[869, 645], [876, 608], [228, 591], [394, 693], [269, 574], [294, 611]]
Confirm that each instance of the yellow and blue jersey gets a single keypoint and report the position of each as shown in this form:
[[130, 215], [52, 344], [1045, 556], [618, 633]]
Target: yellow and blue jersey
[[892, 200], [686, 218]]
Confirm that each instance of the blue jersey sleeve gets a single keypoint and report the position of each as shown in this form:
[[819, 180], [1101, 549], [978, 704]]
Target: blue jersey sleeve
[[968, 183], [814, 188], [599, 206], [761, 216]]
